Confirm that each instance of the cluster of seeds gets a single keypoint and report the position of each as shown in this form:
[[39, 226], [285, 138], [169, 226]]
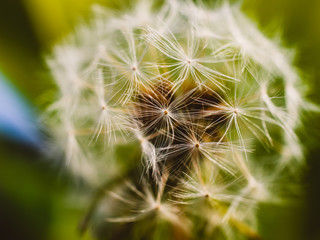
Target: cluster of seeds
[[207, 102]]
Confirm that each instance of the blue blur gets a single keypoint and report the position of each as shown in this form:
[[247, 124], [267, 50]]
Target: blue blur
[[17, 120]]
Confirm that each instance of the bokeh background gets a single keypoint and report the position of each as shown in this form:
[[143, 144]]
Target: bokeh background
[[35, 201]]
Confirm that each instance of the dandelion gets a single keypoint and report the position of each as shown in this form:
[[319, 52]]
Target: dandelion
[[191, 110]]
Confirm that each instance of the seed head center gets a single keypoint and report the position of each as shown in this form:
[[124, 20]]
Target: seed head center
[[165, 112]]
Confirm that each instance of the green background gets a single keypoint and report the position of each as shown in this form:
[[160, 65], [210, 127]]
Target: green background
[[34, 199]]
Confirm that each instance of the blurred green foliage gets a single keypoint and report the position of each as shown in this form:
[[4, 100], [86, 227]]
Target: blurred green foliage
[[34, 201]]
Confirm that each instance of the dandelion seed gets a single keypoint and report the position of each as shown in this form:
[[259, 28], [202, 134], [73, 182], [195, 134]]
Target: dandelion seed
[[187, 65]]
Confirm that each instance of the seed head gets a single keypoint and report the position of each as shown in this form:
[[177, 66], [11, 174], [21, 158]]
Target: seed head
[[199, 94]]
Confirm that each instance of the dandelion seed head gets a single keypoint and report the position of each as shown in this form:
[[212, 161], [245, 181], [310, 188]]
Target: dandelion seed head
[[201, 94]]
